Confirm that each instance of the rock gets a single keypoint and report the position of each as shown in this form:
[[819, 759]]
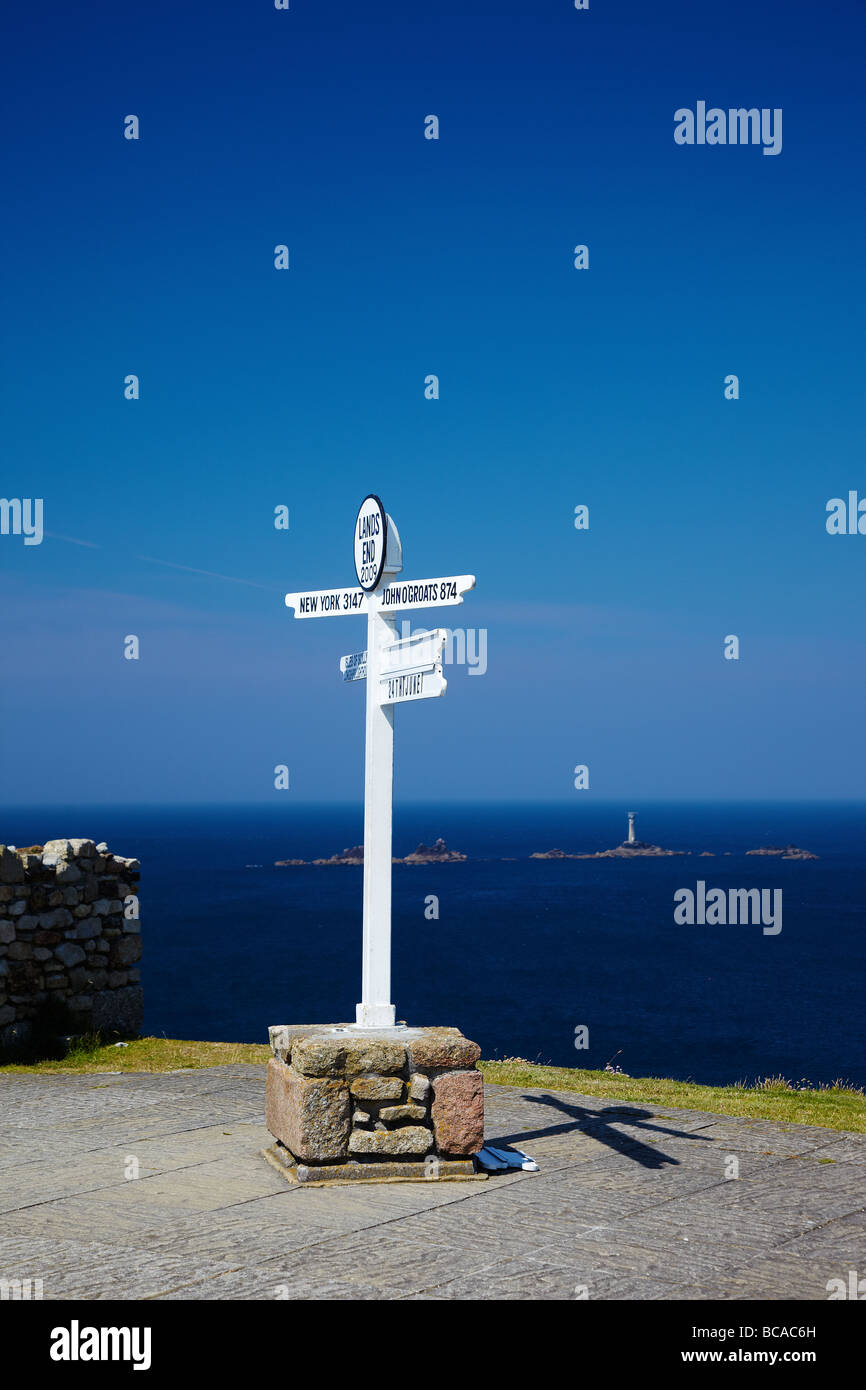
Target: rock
[[442, 1047], [116, 861], [66, 849], [386, 1170], [86, 929], [282, 1035], [57, 850], [17, 909], [7, 932], [67, 872], [377, 1088], [629, 849], [310, 1115], [419, 1087], [784, 852], [11, 868], [394, 1114], [458, 1112], [383, 1058], [318, 1056], [69, 953], [24, 976], [438, 853], [433, 854], [59, 919], [82, 849], [323, 1055], [101, 907], [412, 1139], [125, 950], [360, 1117], [355, 855]]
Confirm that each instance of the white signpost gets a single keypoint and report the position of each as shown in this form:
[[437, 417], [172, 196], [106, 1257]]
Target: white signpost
[[396, 670]]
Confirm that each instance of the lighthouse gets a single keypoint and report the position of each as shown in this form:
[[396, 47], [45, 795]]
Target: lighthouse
[[631, 834]]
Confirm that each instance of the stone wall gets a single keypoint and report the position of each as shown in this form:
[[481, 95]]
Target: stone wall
[[346, 1104], [70, 941]]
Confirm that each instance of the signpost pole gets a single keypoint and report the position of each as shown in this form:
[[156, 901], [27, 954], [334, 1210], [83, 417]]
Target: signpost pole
[[376, 1009]]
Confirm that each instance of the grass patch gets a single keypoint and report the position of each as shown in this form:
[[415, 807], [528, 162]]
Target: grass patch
[[839, 1106], [91, 1055], [833, 1107]]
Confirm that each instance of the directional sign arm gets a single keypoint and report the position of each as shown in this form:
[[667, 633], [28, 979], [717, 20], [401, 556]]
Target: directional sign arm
[[396, 687], [425, 593], [354, 666], [328, 603]]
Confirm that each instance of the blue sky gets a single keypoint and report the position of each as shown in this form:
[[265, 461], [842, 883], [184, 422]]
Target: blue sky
[[557, 387]]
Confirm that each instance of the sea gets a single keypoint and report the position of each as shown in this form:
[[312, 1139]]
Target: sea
[[530, 958]]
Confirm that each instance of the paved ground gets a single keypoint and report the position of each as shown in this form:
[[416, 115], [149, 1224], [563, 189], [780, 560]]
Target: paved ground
[[631, 1202]]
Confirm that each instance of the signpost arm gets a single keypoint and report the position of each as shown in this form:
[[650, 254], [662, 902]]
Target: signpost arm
[[376, 1009]]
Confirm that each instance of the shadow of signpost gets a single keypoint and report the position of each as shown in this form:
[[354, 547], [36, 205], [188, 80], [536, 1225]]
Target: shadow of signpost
[[599, 1124]]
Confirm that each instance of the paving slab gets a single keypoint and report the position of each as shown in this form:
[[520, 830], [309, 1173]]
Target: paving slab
[[633, 1201]]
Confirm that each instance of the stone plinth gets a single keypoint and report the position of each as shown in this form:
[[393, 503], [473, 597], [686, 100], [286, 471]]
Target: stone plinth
[[396, 1104]]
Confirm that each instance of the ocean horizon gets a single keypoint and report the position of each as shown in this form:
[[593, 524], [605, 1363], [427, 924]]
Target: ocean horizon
[[523, 952]]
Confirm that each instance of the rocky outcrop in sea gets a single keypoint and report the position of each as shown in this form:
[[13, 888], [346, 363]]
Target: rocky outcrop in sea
[[438, 853], [784, 852], [634, 849], [433, 854]]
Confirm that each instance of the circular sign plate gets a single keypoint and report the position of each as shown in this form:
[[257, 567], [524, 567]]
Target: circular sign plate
[[371, 538]]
